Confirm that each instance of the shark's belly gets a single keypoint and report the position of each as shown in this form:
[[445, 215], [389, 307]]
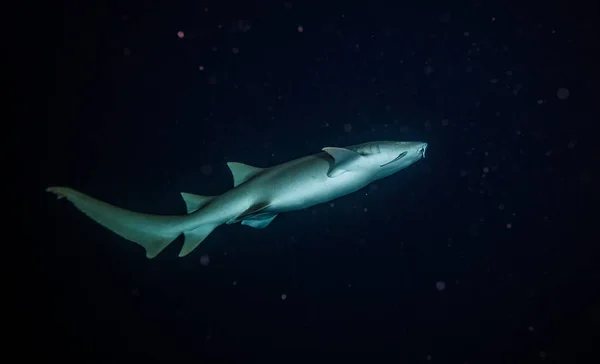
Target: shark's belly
[[307, 184]]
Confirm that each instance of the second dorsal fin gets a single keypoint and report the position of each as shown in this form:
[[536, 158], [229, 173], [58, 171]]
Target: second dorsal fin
[[195, 202]]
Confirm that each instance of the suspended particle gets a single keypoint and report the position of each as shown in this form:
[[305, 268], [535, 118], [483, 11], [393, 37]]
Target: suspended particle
[[562, 93], [204, 260], [180, 34], [440, 285], [206, 169]]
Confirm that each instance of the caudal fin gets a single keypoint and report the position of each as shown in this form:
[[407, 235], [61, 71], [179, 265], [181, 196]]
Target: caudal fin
[[153, 232]]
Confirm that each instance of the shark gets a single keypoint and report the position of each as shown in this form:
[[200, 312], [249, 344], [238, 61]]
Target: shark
[[258, 194]]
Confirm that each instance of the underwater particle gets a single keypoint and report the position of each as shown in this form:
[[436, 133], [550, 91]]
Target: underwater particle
[[428, 357], [201, 68], [235, 50], [428, 70], [244, 25], [127, 51], [180, 34], [206, 169], [509, 225], [445, 122], [543, 355], [204, 260], [212, 80], [562, 93], [300, 28], [347, 128], [283, 297], [530, 328], [234, 283], [486, 169], [365, 209], [440, 285]]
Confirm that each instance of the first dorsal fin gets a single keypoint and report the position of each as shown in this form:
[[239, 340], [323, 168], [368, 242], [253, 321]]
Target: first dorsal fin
[[344, 160], [242, 172]]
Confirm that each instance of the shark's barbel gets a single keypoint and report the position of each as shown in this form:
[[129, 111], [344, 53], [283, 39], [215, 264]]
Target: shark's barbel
[[258, 195]]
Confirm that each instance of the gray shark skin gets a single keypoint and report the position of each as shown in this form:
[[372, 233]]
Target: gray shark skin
[[258, 195]]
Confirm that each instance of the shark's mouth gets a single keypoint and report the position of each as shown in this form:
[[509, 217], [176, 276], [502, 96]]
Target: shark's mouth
[[422, 151]]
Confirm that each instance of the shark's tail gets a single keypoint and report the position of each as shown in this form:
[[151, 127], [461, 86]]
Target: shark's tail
[[153, 232]]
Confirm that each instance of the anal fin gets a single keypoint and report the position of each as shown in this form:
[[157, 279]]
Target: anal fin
[[193, 238]]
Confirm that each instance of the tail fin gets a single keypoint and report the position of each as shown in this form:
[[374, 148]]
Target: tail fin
[[153, 232]]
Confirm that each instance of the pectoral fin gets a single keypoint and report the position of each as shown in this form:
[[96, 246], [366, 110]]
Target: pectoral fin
[[253, 210], [259, 221]]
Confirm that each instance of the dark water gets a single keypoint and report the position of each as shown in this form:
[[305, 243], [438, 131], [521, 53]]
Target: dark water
[[478, 254]]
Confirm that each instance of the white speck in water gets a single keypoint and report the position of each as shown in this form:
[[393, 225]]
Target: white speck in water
[[440, 285], [204, 260]]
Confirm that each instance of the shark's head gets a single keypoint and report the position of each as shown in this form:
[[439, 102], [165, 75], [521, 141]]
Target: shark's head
[[388, 157]]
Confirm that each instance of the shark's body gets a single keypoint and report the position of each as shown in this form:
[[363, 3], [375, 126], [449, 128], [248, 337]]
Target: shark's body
[[258, 196]]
